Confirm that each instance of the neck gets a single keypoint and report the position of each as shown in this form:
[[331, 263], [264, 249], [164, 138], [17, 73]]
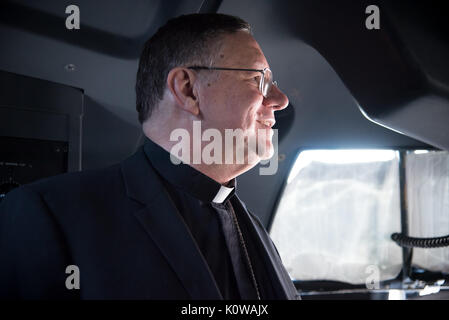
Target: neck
[[221, 173]]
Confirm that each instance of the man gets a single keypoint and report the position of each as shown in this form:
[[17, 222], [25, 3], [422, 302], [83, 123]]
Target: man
[[149, 228]]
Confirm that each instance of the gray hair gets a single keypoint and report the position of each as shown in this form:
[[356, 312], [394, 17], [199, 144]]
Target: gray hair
[[192, 39]]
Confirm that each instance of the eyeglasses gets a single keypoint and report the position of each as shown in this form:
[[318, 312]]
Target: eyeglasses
[[265, 83]]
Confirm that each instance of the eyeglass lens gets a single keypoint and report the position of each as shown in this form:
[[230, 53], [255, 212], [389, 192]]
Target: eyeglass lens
[[267, 82]]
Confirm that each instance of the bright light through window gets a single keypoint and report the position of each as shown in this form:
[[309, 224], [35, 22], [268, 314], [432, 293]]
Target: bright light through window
[[420, 151], [339, 208], [336, 215], [339, 157]]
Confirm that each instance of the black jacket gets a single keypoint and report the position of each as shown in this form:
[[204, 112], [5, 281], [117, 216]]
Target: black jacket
[[120, 228]]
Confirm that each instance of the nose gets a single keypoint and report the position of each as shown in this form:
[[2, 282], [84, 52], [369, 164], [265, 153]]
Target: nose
[[276, 99]]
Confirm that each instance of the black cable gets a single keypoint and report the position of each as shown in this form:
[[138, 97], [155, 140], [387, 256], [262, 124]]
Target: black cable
[[410, 242]]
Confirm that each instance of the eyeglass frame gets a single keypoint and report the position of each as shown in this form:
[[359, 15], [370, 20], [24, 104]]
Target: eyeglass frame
[[261, 81]]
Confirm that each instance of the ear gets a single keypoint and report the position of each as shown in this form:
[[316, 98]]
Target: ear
[[180, 84]]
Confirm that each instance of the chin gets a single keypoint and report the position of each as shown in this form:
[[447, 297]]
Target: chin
[[268, 152], [256, 153], [265, 152]]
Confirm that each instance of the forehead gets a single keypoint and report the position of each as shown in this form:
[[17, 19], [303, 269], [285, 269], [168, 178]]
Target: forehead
[[241, 50]]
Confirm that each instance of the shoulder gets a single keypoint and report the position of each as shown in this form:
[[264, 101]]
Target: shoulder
[[69, 195], [64, 188], [29, 237], [73, 180]]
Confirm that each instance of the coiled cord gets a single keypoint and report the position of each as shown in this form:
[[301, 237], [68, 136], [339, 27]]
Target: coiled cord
[[410, 242]]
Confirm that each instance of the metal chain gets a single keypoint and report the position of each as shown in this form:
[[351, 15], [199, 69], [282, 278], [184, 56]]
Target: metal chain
[[242, 242]]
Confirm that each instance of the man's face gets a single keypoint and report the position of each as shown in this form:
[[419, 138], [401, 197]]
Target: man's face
[[233, 100]]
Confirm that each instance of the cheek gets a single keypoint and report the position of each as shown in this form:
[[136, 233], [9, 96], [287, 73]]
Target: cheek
[[250, 120], [214, 114], [243, 108], [250, 115], [233, 107]]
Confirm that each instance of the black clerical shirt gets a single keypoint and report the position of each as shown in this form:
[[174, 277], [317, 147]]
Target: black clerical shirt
[[206, 208]]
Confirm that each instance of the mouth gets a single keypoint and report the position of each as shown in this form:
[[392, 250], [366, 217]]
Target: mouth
[[268, 123]]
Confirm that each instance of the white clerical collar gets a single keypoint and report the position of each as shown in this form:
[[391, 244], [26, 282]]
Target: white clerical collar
[[222, 194]]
